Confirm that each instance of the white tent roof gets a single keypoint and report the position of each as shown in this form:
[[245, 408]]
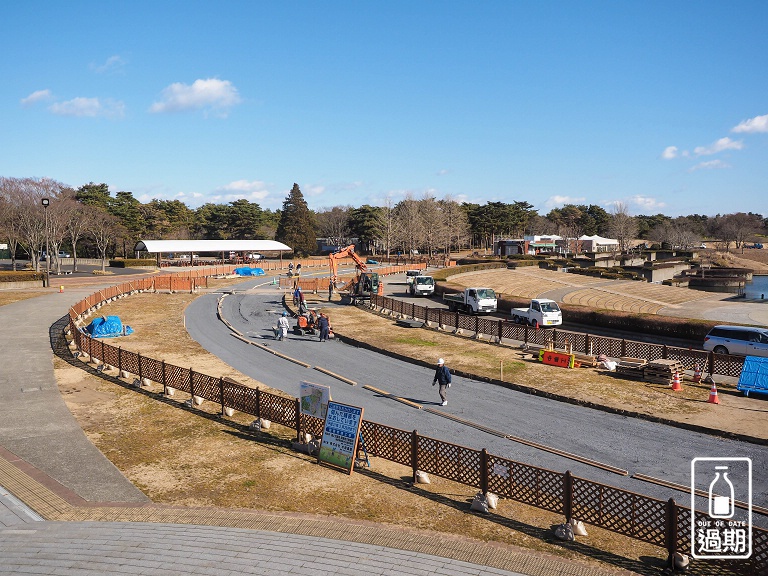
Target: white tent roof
[[165, 246], [599, 239]]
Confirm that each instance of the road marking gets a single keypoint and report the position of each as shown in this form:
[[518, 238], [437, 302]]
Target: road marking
[[393, 397], [337, 376], [268, 349]]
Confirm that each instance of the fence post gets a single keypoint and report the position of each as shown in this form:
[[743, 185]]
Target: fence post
[[192, 386], [162, 376], [623, 347], [525, 334], [103, 363], [568, 495], [587, 345], [221, 394], [711, 363], [664, 352], [671, 531], [119, 361], [484, 471], [414, 453], [500, 325], [138, 361], [298, 419]]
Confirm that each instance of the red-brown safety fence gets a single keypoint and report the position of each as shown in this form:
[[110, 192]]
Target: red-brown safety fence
[[723, 364], [658, 522], [321, 284]]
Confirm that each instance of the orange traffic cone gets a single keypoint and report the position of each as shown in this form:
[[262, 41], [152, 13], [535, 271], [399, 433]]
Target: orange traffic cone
[[713, 399], [676, 382], [696, 372]]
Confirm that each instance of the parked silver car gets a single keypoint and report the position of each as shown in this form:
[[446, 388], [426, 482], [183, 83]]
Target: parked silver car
[[742, 340]]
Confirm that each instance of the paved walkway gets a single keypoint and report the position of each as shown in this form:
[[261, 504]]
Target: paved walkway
[[65, 509]]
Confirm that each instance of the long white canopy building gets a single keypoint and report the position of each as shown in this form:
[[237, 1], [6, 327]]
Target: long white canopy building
[[159, 247]]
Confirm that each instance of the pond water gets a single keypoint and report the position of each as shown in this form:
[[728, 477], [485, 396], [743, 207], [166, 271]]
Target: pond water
[[756, 288]]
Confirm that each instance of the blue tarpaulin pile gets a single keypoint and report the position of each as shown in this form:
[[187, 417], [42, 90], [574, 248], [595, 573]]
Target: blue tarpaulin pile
[[108, 327], [245, 271], [754, 376]]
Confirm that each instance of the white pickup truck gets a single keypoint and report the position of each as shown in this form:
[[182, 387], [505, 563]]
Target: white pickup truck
[[472, 300], [540, 312], [422, 286]]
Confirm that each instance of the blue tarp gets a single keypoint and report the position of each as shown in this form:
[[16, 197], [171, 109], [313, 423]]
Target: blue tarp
[[754, 376], [249, 272], [108, 327]]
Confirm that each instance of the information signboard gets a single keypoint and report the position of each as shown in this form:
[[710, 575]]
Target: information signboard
[[340, 435], [314, 399]]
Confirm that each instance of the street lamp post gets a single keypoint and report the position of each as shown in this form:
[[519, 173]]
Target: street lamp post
[[45, 202]]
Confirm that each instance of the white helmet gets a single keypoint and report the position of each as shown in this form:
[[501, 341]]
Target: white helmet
[[440, 362]]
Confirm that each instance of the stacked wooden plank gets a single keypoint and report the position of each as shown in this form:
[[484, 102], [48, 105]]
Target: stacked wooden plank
[[662, 371], [631, 367]]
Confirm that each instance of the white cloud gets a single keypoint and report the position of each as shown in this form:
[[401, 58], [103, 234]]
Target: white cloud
[[645, 202], [669, 153], [718, 146], [443, 172], [209, 94], [88, 107], [557, 201], [249, 190], [710, 165], [37, 96], [756, 124], [113, 64]]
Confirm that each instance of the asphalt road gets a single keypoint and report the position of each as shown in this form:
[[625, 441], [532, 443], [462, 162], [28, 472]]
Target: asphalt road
[[632, 444]]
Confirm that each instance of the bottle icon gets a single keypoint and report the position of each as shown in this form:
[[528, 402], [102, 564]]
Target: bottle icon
[[721, 494]]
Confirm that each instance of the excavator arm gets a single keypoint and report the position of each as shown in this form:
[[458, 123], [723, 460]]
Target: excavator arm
[[348, 252]]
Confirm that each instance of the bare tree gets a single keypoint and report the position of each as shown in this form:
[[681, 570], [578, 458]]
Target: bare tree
[[432, 224], [333, 223], [390, 225], [10, 215], [104, 229], [409, 232], [76, 226], [456, 224], [28, 194], [623, 227]]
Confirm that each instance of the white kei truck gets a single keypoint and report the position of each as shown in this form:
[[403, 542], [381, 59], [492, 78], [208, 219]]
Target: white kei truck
[[540, 312]]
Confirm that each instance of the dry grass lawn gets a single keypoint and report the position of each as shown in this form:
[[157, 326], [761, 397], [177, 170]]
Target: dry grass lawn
[[11, 296]]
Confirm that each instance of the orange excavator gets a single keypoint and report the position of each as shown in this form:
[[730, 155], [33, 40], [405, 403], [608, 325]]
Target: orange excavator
[[366, 282]]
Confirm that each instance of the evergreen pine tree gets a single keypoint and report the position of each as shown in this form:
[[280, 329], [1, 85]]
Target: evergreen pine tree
[[297, 227]]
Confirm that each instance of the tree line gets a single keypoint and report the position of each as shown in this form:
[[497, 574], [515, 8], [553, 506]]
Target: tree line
[[92, 222]]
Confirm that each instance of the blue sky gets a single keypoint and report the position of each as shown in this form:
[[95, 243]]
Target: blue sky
[[660, 105]]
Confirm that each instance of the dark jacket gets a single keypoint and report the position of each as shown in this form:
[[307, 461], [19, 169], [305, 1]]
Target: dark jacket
[[442, 375]]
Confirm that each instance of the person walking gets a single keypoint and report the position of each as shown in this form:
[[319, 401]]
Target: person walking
[[282, 326], [442, 377], [324, 325], [330, 290], [296, 295]]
